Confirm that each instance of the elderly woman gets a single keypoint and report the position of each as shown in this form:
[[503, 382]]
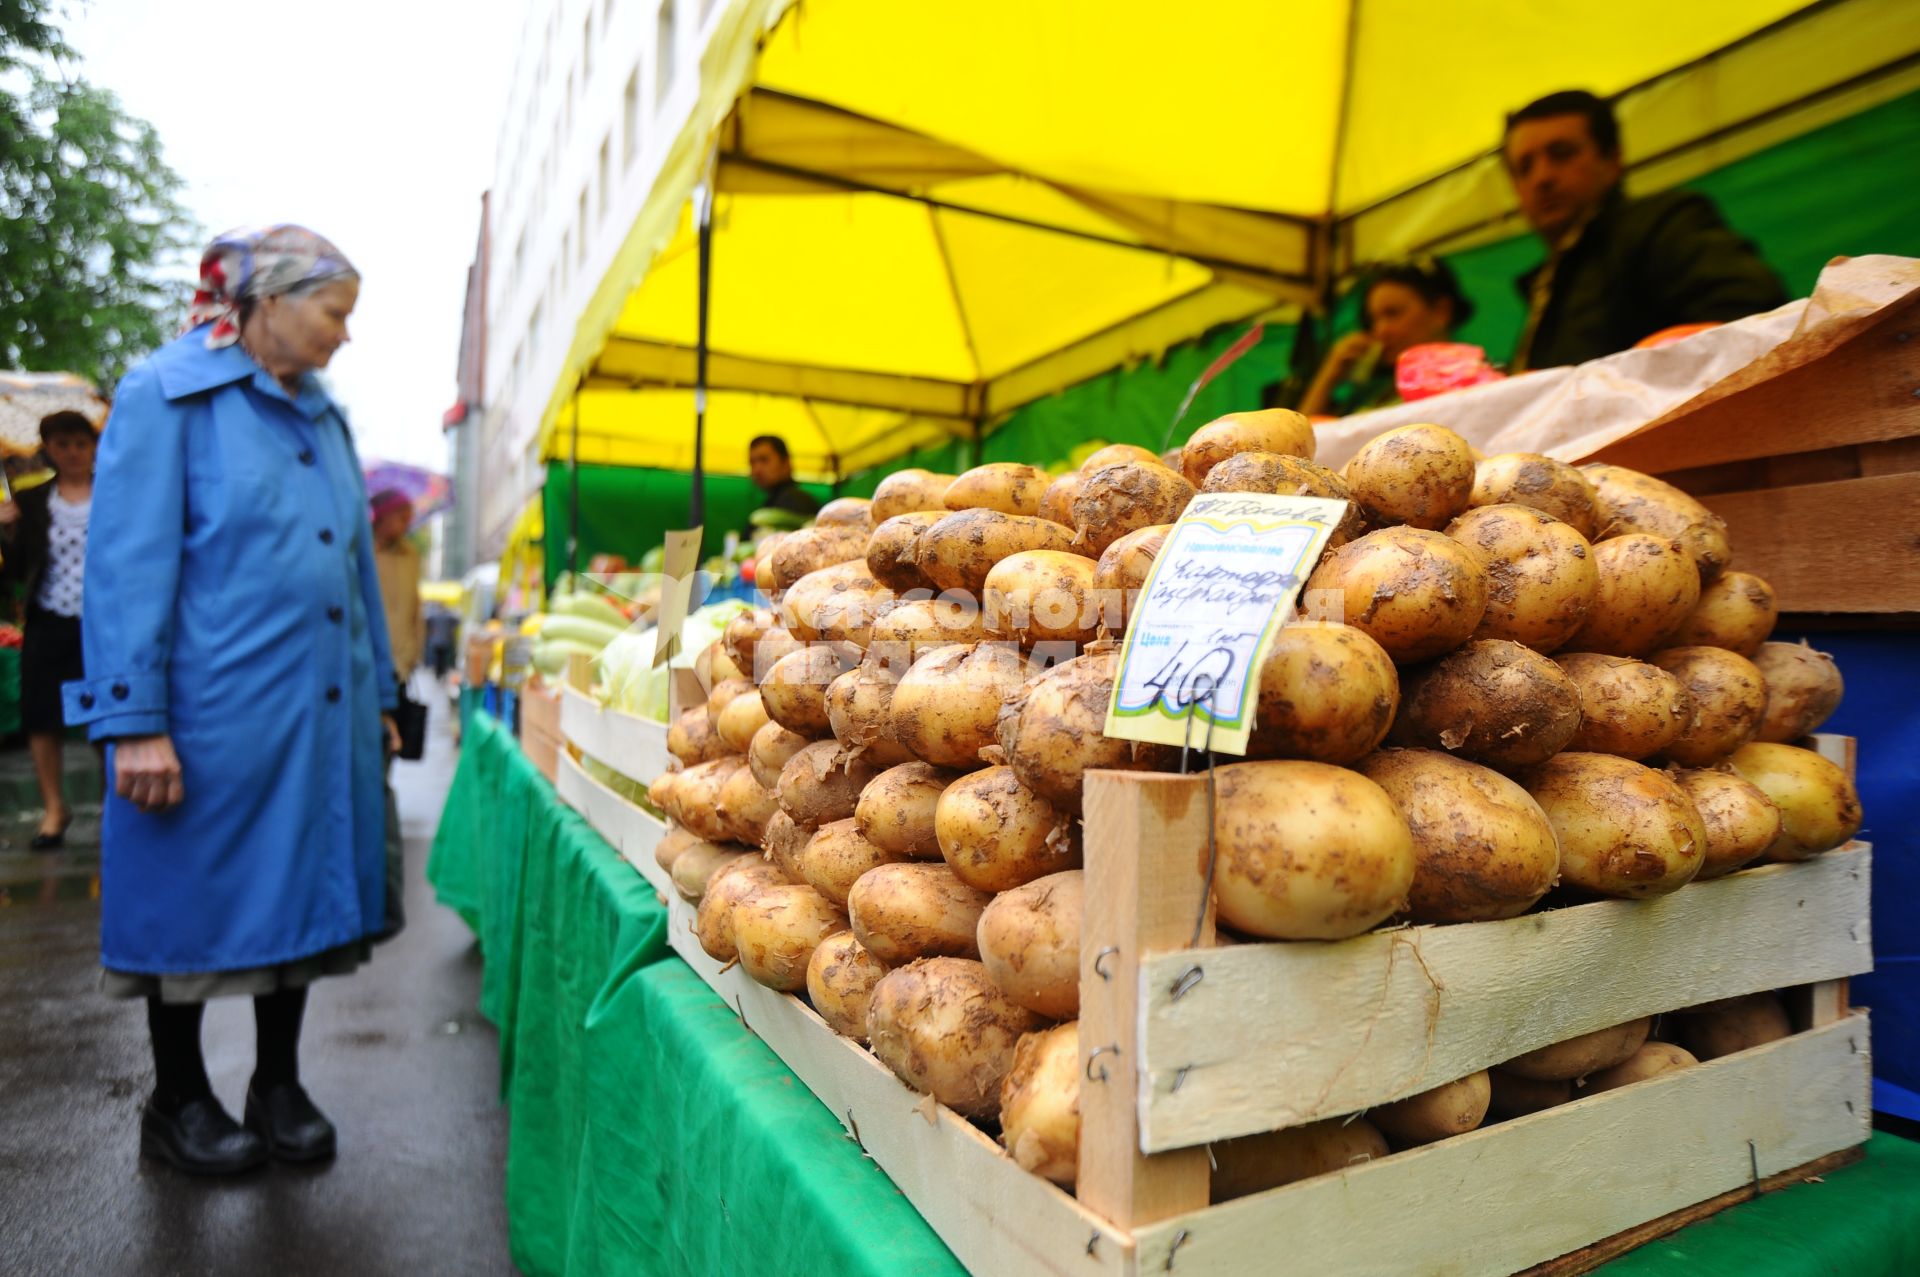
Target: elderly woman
[[237, 668]]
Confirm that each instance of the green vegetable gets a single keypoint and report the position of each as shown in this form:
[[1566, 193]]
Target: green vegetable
[[592, 607], [580, 629], [777, 519], [550, 655]]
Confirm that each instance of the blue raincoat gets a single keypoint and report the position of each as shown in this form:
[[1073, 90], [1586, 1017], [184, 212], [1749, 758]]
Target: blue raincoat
[[231, 601]]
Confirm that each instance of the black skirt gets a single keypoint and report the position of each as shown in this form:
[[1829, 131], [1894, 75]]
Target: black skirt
[[49, 656]]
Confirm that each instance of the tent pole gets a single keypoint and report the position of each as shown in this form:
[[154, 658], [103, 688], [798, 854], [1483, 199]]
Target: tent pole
[[697, 503], [573, 487]]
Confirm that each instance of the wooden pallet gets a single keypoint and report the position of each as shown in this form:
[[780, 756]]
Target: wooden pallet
[[1269, 1035]]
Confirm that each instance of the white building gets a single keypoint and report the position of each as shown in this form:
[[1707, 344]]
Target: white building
[[600, 88]]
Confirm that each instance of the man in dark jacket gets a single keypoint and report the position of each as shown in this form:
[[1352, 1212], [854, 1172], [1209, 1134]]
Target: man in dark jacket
[[1618, 269], [772, 469]]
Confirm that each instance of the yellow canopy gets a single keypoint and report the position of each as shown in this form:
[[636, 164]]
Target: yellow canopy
[[930, 214]]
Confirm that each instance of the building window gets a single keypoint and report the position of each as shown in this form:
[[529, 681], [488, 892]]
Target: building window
[[630, 144], [606, 166], [566, 112], [663, 54], [566, 257], [606, 16], [586, 49], [580, 240]]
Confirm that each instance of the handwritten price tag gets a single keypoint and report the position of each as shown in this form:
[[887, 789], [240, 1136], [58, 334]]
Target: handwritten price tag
[[1220, 589], [682, 559]]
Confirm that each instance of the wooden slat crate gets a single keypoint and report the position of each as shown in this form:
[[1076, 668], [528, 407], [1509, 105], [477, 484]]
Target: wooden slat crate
[[1270, 1035], [633, 746], [540, 736]]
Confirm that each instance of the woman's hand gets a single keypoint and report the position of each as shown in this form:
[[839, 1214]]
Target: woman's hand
[[9, 515], [1350, 350], [146, 772], [1341, 359], [392, 725]]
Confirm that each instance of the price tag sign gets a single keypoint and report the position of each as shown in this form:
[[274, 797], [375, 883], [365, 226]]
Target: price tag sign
[[681, 560], [1220, 589]]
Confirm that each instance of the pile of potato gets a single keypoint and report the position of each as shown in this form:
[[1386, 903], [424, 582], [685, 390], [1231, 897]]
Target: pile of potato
[[1507, 674]]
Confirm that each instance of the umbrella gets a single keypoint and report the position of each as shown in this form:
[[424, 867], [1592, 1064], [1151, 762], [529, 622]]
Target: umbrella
[[26, 397], [429, 492]]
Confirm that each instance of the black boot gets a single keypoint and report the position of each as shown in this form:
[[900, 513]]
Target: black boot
[[199, 1137], [292, 1128]]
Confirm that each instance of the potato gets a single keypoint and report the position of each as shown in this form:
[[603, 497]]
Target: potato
[[692, 739], [946, 707], [661, 792], [1586, 1054], [733, 882], [1419, 475], [913, 910], [896, 809], [1278, 430], [1255, 1163], [905, 491], [741, 721], [722, 694], [836, 605], [1627, 707], [1482, 847], [1736, 611], [1116, 500], [943, 1028], [810, 550], [1538, 482], [1624, 829], [1729, 696], [742, 633], [769, 647], [914, 628], [957, 552], [795, 689], [696, 798], [1731, 1024], [1043, 596], [715, 668], [1053, 729], [1056, 503], [1119, 454], [1518, 1096], [1452, 1108], [859, 705], [894, 549], [745, 806], [776, 929], [1006, 486], [1803, 690], [1307, 851], [1030, 943], [1651, 1060], [1492, 701], [818, 785], [835, 857], [1040, 1104], [1626, 501], [1648, 587], [695, 867], [1541, 578], [850, 511], [995, 833], [1123, 568], [784, 841], [1819, 808], [1327, 693], [1415, 593], [675, 841], [769, 751], [1741, 822], [841, 976]]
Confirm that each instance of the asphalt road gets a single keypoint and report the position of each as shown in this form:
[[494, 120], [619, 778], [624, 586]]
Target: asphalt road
[[396, 1054]]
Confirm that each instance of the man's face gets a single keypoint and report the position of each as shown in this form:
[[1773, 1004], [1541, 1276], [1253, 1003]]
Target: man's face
[[768, 468], [1558, 171]]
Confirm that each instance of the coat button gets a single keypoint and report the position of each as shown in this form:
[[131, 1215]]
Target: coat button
[[336, 613], [333, 694], [86, 700], [306, 456], [120, 691], [326, 536]]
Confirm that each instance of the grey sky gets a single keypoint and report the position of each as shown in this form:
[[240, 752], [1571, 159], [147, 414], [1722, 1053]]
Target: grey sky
[[372, 121]]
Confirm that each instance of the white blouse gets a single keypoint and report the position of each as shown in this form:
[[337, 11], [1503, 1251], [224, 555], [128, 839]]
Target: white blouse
[[62, 584]]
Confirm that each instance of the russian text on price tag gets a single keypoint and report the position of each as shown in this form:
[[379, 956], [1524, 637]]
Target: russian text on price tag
[[1220, 589]]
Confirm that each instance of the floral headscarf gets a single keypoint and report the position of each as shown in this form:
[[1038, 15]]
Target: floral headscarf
[[259, 261]]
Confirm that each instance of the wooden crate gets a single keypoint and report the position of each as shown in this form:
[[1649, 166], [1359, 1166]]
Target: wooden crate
[[1262, 1036], [1812, 456], [633, 746], [629, 829], [540, 737]]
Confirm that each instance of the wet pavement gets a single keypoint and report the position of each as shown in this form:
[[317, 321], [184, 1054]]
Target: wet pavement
[[396, 1054]]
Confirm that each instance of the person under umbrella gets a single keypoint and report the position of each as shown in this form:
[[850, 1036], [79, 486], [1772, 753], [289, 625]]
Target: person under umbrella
[[238, 668]]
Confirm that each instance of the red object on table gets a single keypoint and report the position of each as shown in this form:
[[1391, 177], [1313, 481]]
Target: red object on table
[[1436, 367]]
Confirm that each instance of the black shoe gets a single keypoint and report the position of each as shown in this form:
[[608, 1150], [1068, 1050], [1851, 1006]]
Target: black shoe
[[198, 1137], [282, 1115], [50, 842]]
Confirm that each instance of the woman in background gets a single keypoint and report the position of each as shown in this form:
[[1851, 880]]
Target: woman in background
[[1404, 304]]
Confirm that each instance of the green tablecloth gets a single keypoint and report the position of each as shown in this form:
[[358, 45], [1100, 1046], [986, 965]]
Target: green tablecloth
[[9, 690], [651, 1133]]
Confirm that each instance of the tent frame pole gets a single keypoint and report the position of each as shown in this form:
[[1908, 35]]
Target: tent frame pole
[[573, 485], [697, 500]]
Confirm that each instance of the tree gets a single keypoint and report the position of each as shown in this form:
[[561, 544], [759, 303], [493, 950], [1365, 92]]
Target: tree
[[89, 216]]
